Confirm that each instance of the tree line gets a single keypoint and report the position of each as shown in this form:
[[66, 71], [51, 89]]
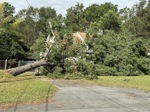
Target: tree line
[[119, 44]]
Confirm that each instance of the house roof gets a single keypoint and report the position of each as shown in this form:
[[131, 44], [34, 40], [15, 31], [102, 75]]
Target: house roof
[[79, 37]]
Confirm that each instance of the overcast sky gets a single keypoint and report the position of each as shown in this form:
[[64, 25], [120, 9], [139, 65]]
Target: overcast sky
[[62, 5]]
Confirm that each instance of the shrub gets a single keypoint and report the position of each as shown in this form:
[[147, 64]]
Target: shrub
[[119, 54]]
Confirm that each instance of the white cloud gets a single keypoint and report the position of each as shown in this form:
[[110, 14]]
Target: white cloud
[[62, 5]]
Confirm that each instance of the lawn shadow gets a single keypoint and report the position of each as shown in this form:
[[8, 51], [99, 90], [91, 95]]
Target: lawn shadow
[[47, 97], [15, 109], [16, 80], [23, 92]]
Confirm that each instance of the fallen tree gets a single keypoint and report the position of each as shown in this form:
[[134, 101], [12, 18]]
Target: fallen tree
[[18, 70], [49, 42], [55, 51]]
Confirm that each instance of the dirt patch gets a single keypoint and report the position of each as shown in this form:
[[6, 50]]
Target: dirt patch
[[21, 104], [131, 95]]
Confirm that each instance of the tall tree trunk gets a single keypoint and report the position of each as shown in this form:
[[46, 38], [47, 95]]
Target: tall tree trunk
[[18, 70]]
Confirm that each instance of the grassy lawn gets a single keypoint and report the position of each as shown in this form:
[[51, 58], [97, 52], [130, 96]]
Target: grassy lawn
[[139, 82], [23, 89]]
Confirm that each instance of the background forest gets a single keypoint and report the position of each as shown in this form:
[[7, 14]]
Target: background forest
[[119, 45]]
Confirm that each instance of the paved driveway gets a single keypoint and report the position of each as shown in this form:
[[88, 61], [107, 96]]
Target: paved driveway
[[78, 96]]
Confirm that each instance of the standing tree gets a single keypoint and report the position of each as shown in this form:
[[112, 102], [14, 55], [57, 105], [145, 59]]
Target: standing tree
[[110, 21], [28, 25], [12, 45], [139, 20], [75, 20], [94, 12]]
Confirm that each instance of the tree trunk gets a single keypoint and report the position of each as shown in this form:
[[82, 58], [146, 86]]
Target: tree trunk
[[18, 70]]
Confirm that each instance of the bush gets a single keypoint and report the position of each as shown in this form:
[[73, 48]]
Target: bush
[[87, 69], [57, 73], [119, 54]]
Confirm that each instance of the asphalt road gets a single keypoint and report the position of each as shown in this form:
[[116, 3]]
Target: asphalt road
[[78, 96]]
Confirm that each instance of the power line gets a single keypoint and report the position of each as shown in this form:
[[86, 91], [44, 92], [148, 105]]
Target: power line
[[50, 26], [28, 3]]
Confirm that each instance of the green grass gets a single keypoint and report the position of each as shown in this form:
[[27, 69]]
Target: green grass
[[139, 82], [23, 89]]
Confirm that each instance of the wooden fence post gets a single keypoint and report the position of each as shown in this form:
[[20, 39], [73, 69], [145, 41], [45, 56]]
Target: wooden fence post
[[19, 63], [5, 64]]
